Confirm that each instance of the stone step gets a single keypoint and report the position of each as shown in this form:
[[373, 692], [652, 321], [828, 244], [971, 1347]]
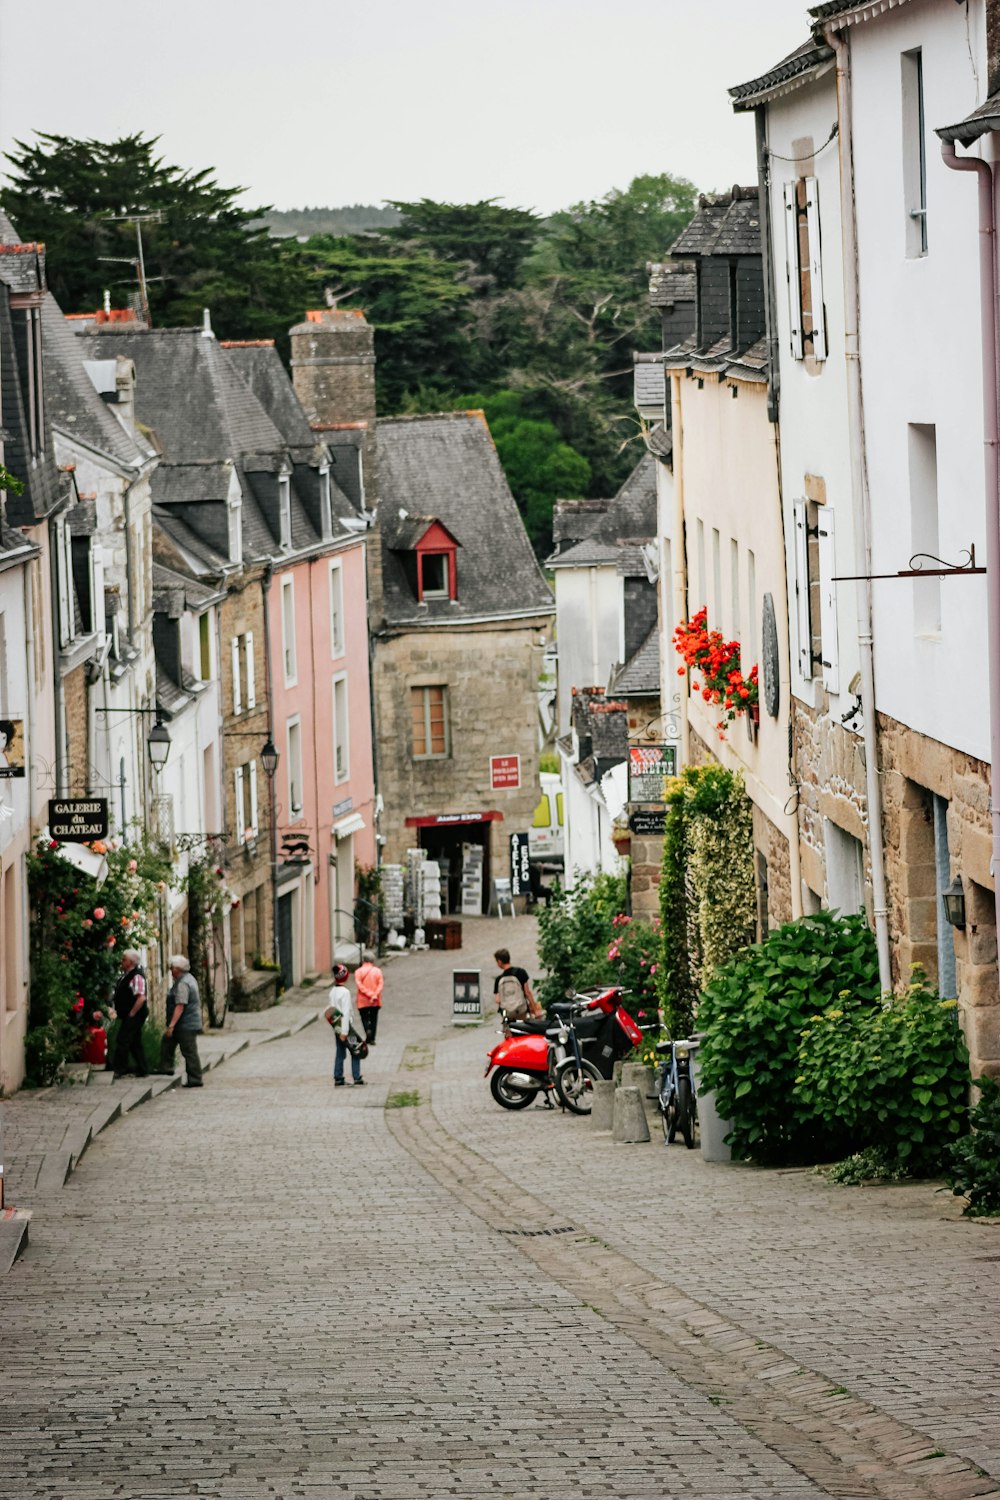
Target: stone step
[[13, 1236]]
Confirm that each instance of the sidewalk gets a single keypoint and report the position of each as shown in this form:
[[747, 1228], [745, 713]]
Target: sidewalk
[[44, 1132]]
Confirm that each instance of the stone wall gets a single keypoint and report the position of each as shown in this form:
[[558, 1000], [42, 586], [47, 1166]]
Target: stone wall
[[491, 674], [830, 771], [913, 768], [78, 772]]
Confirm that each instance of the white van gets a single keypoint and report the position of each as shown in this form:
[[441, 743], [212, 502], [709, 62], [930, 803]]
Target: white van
[[545, 836]]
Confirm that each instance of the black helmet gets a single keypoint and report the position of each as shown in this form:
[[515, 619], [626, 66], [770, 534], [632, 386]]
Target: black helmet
[[341, 973]]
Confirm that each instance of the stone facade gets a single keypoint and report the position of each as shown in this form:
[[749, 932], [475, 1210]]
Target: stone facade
[[916, 771], [490, 673], [830, 773]]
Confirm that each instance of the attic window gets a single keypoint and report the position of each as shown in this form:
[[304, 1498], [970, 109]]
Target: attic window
[[285, 511], [326, 506], [434, 582], [235, 517]]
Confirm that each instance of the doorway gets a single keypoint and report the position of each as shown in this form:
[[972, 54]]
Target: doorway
[[446, 845], [286, 929]]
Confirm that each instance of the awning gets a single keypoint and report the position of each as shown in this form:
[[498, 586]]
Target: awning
[[448, 820], [347, 826]]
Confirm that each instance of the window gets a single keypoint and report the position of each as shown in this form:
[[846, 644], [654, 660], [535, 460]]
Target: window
[[702, 571], [243, 670], [804, 269], [205, 647], [336, 609], [816, 592], [434, 575], [716, 579], [429, 711], [295, 768], [64, 573], [325, 504], [235, 520], [753, 653], [914, 153], [285, 511], [734, 587], [245, 788], [924, 524], [288, 628], [341, 748], [845, 873]]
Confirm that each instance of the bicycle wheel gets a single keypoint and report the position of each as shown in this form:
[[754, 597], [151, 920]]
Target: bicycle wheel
[[668, 1117], [575, 1084], [685, 1111]]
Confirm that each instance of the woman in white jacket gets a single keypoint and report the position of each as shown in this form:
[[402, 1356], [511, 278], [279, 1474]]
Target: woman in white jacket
[[343, 1014]]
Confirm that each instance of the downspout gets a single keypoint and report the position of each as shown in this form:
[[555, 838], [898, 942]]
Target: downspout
[[58, 691], [861, 504], [679, 547], [988, 297], [273, 820]]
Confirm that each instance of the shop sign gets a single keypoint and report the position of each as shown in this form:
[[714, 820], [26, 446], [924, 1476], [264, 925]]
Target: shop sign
[[650, 767], [520, 868], [505, 773], [75, 820], [11, 748], [340, 808], [653, 824], [466, 996]]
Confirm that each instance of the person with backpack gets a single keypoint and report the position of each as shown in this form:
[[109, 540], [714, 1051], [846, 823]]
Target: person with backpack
[[512, 989], [342, 1013]]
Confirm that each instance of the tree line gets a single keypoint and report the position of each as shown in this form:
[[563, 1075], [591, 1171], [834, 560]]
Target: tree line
[[476, 304]]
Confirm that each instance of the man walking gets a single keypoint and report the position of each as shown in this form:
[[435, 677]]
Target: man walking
[[183, 1022], [512, 989], [131, 1009]]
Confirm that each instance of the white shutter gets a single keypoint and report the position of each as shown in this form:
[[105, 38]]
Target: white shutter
[[828, 599], [253, 796], [816, 268], [251, 681], [237, 698], [802, 588], [792, 269], [240, 814], [64, 574], [98, 621]]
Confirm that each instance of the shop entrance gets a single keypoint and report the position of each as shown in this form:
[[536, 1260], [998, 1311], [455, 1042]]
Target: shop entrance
[[463, 852]]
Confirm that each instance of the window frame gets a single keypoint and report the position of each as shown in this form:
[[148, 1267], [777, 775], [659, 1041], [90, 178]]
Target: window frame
[[804, 268], [285, 512], [444, 591], [289, 656], [429, 753], [341, 732], [234, 517], [337, 632], [293, 745]]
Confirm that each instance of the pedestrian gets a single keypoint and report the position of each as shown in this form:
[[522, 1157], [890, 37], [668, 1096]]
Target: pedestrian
[[183, 1022], [512, 989], [342, 1014], [369, 981], [131, 1008]]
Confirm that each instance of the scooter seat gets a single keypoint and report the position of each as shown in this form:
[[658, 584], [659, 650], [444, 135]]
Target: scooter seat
[[529, 1028]]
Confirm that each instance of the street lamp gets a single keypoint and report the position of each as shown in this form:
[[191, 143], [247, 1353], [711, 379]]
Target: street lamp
[[954, 903], [269, 757], [158, 744]]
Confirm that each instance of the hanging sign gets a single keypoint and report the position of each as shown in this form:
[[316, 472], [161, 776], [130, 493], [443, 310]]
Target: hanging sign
[[75, 820], [11, 748], [650, 767]]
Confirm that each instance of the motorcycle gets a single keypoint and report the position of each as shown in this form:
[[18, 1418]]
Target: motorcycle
[[564, 1054]]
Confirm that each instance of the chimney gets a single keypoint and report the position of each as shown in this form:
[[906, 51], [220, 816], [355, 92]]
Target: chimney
[[333, 366], [206, 324]]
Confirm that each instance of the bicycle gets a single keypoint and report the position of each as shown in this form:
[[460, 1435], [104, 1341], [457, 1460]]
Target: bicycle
[[675, 1090]]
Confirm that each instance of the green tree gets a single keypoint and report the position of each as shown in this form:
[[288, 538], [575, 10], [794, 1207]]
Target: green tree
[[198, 242], [492, 241]]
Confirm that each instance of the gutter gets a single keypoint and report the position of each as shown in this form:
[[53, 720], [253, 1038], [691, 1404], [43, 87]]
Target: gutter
[[861, 503], [988, 297]]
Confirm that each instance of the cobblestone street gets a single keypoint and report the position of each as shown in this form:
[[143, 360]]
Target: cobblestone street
[[271, 1288]]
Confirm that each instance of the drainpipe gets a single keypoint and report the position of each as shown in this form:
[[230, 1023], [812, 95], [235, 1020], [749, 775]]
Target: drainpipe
[[679, 549], [988, 298], [273, 819], [862, 505]]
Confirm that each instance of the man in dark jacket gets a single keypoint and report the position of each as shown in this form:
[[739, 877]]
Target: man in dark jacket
[[183, 1022], [131, 1009]]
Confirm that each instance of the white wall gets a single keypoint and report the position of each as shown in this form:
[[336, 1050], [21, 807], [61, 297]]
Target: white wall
[[921, 362], [589, 625]]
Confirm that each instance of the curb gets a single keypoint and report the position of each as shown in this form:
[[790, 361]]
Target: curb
[[59, 1164]]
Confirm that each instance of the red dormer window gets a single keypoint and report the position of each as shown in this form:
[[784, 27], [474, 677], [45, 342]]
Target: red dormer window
[[437, 569]]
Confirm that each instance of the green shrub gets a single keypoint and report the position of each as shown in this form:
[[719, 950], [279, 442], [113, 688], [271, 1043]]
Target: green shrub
[[752, 1016], [873, 1164], [975, 1160], [575, 932], [894, 1076]]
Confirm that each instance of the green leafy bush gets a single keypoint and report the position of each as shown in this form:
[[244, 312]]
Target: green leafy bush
[[895, 1077], [975, 1160], [575, 933], [752, 1016]]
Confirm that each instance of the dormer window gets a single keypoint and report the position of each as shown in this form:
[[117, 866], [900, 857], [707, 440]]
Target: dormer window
[[285, 511], [235, 518], [429, 553], [325, 504], [433, 575]]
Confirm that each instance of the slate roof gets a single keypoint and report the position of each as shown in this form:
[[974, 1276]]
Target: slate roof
[[670, 283], [42, 494], [572, 520], [73, 403], [177, 591], [640, 675], [727, 224], [630, 516], [601, 726], [979, 122], [785, 75], [445, 466]]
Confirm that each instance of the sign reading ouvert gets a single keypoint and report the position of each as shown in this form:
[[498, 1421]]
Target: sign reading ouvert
[[78, 820]]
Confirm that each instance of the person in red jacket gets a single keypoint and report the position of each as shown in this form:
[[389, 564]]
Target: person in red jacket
[[368, 981]]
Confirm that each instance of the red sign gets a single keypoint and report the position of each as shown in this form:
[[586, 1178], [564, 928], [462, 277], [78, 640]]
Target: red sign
[[505, 772]]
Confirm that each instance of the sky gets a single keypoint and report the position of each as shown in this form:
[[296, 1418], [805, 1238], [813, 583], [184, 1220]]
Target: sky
[[540, 103]]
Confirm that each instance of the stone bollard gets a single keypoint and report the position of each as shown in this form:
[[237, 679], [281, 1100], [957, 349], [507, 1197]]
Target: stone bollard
[[616, 1071], [602, 1111], [630, 1117], [641, 1076]]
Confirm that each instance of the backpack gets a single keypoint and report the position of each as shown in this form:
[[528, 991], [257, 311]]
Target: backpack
[[511, 998]]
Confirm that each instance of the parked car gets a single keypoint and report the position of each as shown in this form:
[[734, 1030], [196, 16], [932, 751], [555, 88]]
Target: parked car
[[545, 836]]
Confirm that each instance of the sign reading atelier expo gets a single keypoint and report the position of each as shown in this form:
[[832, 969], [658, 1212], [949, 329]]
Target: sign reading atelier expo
[[649, 769], [78, 820], [520, 866]]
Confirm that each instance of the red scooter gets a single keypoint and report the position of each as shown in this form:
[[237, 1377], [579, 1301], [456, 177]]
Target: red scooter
[[579, 1043]]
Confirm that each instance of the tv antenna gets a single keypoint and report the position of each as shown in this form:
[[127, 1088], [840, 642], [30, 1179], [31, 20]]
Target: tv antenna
[[138, 261]]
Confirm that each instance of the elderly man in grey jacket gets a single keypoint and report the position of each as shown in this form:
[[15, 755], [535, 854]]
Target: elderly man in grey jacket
[[183, 1022]]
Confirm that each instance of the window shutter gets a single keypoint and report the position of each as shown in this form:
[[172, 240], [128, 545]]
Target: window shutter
[[816, 268], [253, 796], [98, 621], [802, 621], [251, 681], [828, 599], [792, 269], [240, 814], [63, 575], [237, 699]]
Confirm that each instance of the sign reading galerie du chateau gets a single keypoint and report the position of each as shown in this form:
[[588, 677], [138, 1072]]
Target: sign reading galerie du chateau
[[76, 820], [649, 768]]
